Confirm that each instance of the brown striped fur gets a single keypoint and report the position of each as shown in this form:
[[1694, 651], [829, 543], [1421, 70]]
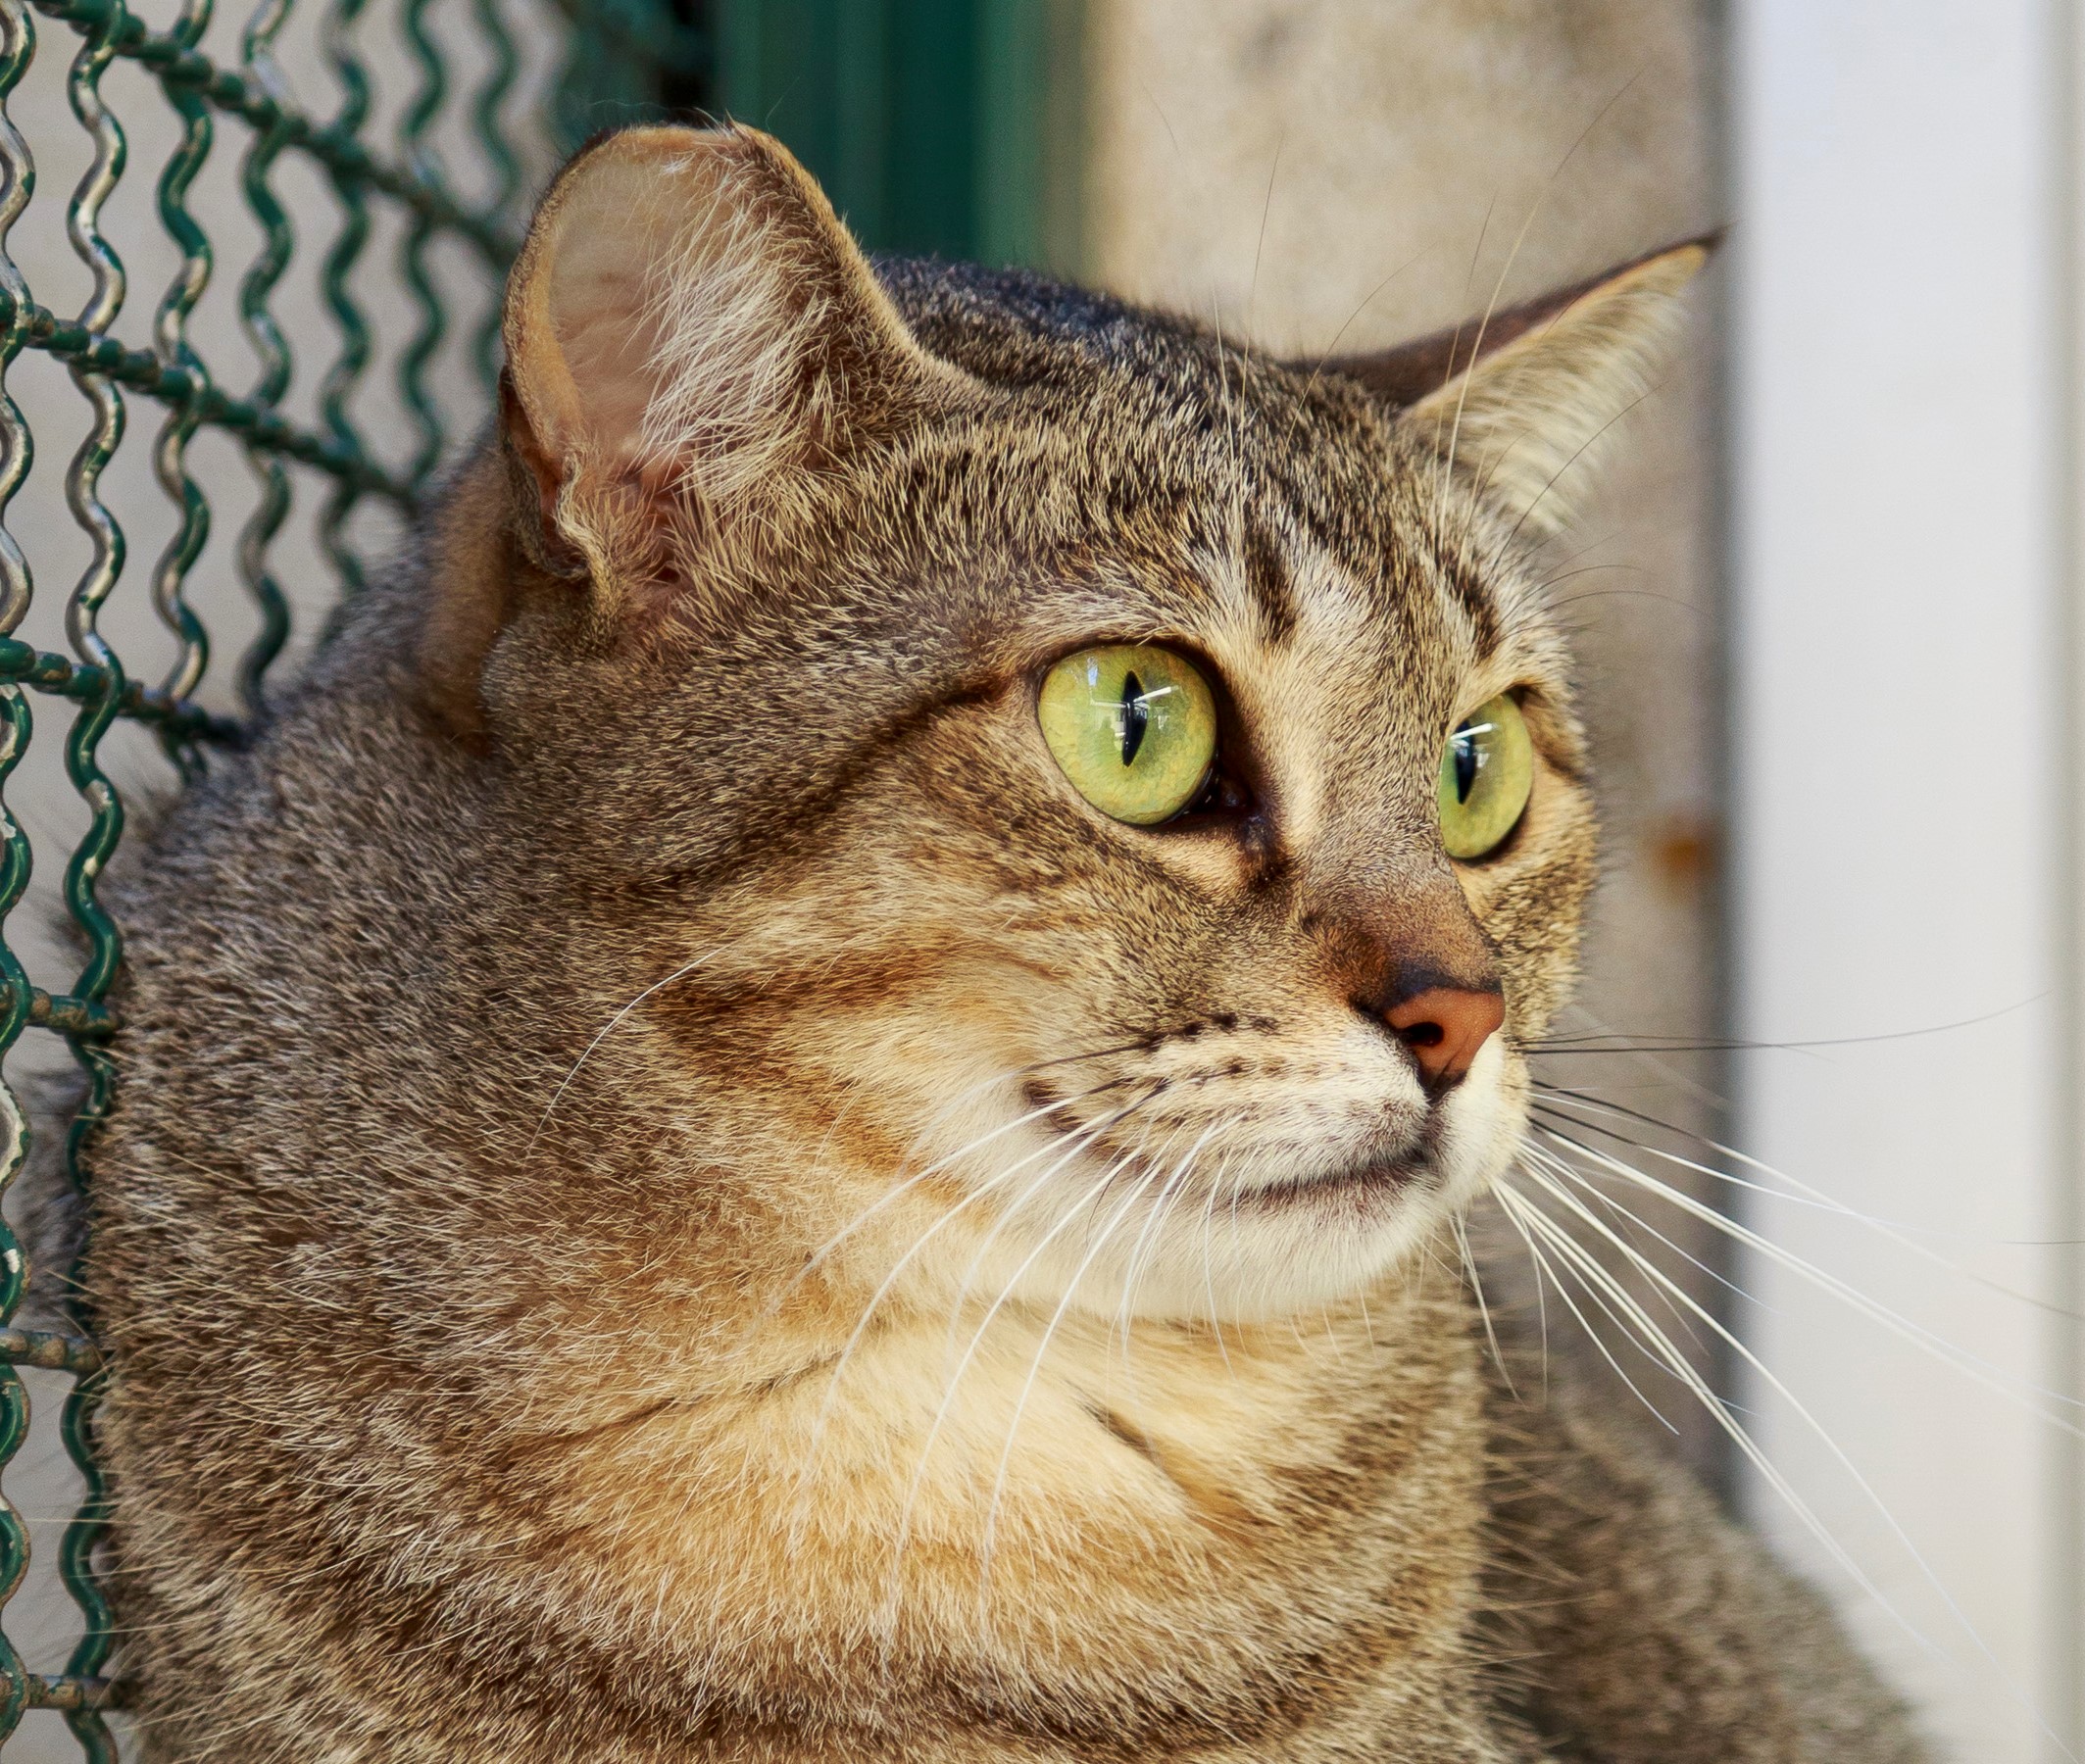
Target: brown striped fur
[[525, 1348]]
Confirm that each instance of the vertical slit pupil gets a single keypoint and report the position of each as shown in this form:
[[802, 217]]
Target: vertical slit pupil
[[1466, 761], [1136, 717]]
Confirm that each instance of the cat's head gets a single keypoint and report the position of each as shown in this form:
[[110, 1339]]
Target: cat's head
[[1069, 806]]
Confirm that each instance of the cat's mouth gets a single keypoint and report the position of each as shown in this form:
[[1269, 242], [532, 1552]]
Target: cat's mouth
[[1363, 1188], [1365, 1185], [1185, 1201], [1271, 1164]]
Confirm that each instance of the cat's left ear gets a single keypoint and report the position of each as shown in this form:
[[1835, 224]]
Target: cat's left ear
[[691, 337], [1521, 401]]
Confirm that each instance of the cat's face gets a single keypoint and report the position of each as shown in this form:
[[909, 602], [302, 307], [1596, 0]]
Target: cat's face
[[1169, 1055], [1060, 725]]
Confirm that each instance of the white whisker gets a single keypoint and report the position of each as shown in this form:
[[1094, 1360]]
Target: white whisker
[[1132, 1270], [912, 1493], [609, 1028], [1208, 1269], [1064, 1305], [1648, 1346], [897, 1189], [919, 1243], [1589, 1268], [1476, 1287], [1969, 1365], [1804, 1195], [1632, 1222]]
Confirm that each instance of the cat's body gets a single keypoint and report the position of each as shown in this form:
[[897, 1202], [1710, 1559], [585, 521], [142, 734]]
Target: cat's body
[[577, 1236]]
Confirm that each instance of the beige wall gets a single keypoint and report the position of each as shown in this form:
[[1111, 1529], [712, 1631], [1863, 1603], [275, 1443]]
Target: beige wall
[[1307, 172]]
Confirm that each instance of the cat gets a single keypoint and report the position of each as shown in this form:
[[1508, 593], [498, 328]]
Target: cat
[[809, 1099]]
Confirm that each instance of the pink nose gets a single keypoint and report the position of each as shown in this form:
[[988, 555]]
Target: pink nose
[[1444, 1026]]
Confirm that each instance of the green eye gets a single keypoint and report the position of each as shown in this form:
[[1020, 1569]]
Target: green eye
[[1134, 728], [1487, 769]]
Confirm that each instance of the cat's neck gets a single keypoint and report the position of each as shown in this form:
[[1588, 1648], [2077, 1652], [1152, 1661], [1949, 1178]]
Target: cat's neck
[[1066, 1503]]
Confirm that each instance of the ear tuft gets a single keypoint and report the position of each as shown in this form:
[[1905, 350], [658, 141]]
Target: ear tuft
[[1521, 402], [689, 327]]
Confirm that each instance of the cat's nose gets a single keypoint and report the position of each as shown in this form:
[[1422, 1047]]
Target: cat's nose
[[1444, 1026]]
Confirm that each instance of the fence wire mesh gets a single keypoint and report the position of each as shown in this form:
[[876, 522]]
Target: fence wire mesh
[[362, 170]]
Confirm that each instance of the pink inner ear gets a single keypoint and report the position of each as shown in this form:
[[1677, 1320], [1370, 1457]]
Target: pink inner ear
[[609, 327], [604, 296], [690, 311]]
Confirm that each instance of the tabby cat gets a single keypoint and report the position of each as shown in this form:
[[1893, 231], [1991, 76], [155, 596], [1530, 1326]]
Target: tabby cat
[[810, 1099]]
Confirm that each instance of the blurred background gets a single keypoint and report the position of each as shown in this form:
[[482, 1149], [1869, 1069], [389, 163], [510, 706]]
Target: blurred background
[[1822, 604]]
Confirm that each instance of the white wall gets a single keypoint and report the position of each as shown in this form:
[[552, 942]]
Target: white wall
[[1902, 798]]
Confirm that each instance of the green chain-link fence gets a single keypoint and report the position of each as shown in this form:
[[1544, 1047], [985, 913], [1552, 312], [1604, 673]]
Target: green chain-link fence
[[320, 197], [386, 158]]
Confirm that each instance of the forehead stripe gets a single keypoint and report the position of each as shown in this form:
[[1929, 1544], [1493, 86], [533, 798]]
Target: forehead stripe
[[1266, 579], [1467, 586]]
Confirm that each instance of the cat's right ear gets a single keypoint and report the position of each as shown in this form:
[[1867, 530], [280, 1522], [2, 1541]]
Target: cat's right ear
[[690, 332], [1521, 398]]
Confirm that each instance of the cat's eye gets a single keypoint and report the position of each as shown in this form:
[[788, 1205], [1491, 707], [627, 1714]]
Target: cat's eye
[[1134, 728], [1487, 771]]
